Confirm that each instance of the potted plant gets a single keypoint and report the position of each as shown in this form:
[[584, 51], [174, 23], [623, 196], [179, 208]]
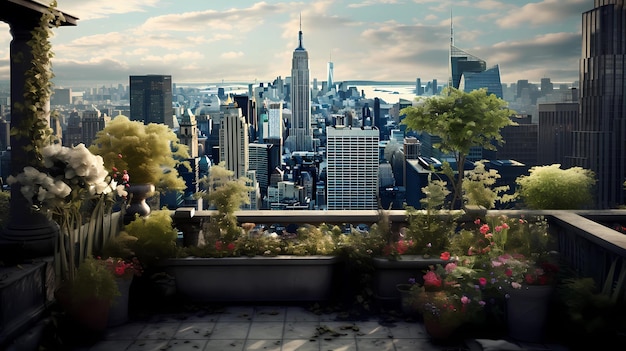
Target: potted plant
[[72, 188], [89, 296], [149, 153], [268, 267], [415, 247], [123, 270], [514, 262], [449, 298]]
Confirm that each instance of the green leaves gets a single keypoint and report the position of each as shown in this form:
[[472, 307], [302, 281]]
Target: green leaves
[[462, 120], [550, 187]]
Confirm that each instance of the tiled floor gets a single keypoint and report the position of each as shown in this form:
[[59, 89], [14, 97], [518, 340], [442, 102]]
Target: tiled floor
[[271, 328]]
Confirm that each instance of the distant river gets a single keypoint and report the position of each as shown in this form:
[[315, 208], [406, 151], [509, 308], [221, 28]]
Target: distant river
[[390, 94]]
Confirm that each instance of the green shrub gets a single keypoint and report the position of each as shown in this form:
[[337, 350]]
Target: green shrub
[[553, 188]]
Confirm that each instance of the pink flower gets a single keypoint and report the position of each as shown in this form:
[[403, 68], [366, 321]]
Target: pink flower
[[465, 300], [484, 229], [516, 285], [450, 267], [431, 279], [482, 281], [477, 221], [499, 228]]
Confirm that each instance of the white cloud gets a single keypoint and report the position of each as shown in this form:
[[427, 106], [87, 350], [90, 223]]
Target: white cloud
[[544, 12], [93, 9], [231, 55]]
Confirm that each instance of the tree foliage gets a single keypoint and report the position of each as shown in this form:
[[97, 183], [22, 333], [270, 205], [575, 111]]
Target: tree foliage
[[553, 188], [462, 120], [479, 189], [226, 194], [150, 153]]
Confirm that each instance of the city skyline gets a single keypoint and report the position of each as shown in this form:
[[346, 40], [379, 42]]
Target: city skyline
[[385, 40]]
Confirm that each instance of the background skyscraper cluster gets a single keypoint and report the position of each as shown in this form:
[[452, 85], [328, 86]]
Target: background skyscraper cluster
[[334, 144]]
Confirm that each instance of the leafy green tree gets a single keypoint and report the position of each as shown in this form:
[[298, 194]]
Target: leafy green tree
[[226, 194], [462, 120], [553, 188]]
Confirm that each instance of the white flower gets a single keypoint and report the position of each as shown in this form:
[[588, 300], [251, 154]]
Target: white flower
[[121, 191]]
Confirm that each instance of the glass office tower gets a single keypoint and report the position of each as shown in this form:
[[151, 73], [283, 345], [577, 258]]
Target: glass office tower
[[600, 136]]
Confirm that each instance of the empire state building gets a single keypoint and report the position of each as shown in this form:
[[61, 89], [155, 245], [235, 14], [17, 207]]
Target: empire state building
[[300, 134]]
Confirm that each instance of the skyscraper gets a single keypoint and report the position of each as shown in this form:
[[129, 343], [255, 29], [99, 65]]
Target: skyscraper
[[330, 80], [461, 62], [151, 99], [352, 168], [300, 134], [601, 131], [233, 141], [556, 123]]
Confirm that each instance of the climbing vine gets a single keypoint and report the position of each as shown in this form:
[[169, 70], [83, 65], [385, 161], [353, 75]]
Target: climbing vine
[[38, 87]]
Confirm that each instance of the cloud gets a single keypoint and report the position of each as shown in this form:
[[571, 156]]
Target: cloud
[[544, 12], [553, 52], [95, 9], [231, 55], [241, 20], [367, 3]]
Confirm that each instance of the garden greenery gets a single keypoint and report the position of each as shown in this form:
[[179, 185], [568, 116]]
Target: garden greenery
[[553, 188]]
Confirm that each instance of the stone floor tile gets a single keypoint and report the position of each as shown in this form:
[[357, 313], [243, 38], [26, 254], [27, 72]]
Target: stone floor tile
[[168, 318], [339, 329], [270, 314], [300, 314], [300, 330], [128, 331], [415, 345], [194, 330], [263, 345], [108, 345], [225, 345], [266, 330], [147, 345], [186, 345], [237, 314], [404, 330], [346, 344], [375, 344], [159, 331], [301, 345], [371, 330], [231, 330]]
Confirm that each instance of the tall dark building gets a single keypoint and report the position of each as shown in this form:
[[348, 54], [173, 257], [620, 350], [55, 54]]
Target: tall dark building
[[600, 135], [556, 123], [151, 99]]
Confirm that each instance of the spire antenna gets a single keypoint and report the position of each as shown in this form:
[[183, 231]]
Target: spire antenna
[[300, 34]]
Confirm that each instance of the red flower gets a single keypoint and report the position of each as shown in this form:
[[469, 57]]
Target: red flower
[[482, 281], [120, 270], [445, 256], [432, 280], [231, 246], [508, 272], [218, 245]]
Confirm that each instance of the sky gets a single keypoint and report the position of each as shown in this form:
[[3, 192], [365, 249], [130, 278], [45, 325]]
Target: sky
[[200, 41]]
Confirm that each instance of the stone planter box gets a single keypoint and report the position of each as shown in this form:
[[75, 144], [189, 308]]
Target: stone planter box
[[389, 273], [279, 278]]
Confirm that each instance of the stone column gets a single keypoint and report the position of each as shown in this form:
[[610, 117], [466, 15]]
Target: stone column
[[27, 234]]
